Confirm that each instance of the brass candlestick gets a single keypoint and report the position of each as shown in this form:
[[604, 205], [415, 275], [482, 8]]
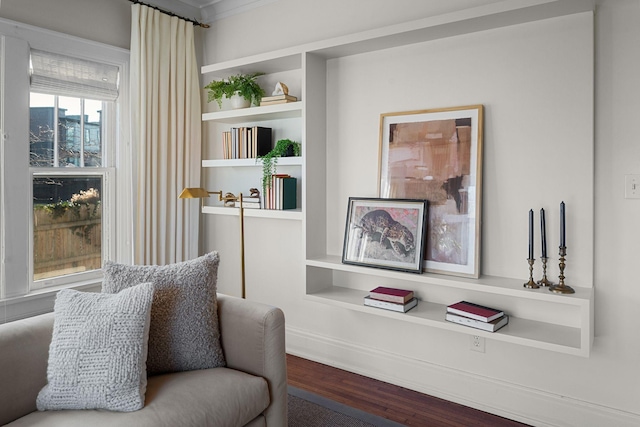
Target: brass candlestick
[[544, 281], [561, 288], [531, 284]]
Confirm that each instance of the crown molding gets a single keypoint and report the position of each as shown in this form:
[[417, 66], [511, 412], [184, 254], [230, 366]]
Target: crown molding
[[220, 9]]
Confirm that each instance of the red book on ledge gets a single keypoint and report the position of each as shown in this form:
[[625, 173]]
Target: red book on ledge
[[399, 296], [475, 311]]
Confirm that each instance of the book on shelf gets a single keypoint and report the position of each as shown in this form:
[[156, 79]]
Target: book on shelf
[[246, 142], [382, 293], [282, 193], [277, 99], [402, 308], [491, 326], [251, 203], [282, 101], [475, 311], [262, 141]]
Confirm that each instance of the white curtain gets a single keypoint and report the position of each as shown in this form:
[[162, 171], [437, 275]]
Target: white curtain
[[166, 133]]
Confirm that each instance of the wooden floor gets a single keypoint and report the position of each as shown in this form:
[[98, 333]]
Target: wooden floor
[[385, 400]]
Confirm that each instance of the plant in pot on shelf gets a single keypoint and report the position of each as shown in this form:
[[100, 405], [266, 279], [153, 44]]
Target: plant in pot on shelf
[[283, 148], [241, 89]]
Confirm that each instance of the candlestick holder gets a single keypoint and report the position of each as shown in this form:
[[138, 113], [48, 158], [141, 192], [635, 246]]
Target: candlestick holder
[[544, 281], [561, 288], [531, 284]]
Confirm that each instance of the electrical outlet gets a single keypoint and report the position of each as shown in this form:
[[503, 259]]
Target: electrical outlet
[[477, 343], [632, 186]]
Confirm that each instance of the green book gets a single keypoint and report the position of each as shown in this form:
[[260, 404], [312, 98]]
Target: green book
[[289, 191]]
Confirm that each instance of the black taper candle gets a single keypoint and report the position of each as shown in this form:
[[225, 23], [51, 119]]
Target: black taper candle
[[543, 232], [563, 243], [530, 233]]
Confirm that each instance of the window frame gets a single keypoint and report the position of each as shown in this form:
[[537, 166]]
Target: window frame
[[19, 297]]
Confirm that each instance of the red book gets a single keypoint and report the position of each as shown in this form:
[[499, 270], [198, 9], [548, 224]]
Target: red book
[[475, 311], [400, 296]]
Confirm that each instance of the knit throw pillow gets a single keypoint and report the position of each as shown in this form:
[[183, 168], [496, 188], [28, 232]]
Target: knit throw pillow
[[98, 351], [184, 334]]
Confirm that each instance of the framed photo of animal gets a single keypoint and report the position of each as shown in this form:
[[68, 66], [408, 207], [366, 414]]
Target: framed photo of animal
[[437, 155], [385, 233]]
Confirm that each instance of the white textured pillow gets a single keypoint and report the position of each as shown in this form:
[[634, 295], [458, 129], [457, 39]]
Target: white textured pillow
[[98, 351], [184, 333]]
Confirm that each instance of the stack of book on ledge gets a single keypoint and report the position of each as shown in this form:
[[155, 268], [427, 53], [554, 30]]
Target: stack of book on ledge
[[277, 99], [391, 299], [477, 316]]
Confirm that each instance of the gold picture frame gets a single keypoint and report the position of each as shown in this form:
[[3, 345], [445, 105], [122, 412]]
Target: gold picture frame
[[436, 155]]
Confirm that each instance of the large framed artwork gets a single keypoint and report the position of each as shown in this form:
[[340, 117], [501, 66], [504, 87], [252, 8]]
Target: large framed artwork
[[437, 155], [385, 233]]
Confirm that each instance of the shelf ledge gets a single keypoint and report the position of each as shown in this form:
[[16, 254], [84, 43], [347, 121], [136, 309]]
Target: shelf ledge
[[291, 214], [225, 163], [256, 114], [487, 284]]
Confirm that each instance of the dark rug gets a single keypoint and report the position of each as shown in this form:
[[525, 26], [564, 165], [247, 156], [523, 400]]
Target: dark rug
[[310, 410]]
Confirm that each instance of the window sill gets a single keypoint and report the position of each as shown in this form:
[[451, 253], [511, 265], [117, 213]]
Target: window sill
[[40, 301]]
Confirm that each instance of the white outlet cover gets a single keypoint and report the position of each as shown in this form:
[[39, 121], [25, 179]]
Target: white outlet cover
[[632, 186], [477, 343]]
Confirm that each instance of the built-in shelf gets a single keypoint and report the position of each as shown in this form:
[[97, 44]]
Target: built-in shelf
[[226, 163], [256, 114], [328, 281], [292, 214], [534, 332]]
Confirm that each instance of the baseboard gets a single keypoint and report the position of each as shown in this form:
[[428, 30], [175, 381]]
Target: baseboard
[[513, 401]]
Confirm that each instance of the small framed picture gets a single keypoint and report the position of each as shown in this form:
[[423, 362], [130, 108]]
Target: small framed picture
[[437, 155], [385, 233]]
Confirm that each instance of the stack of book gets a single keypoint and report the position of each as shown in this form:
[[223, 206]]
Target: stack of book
[[393, 299], [282, 193], [477, 316], [246, 142], [251, 202], [277, 99]]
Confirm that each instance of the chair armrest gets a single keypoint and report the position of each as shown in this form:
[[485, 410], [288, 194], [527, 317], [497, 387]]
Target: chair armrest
[[24, 353], [253, 341]]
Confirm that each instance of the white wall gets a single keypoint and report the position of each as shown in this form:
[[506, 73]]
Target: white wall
[[107, 22], [535, 386]]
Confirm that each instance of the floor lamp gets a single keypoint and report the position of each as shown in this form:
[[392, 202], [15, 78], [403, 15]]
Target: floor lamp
[[229, 200]]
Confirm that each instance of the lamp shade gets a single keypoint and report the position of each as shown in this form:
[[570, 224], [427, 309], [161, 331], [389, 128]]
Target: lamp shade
[[193, 193]]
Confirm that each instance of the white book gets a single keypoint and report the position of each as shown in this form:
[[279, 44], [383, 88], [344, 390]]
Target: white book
[[402, 308], [492, 326]]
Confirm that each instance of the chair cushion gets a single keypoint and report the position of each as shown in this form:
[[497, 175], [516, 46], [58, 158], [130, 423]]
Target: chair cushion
[[220, 397], [185, 332], [98, 351]]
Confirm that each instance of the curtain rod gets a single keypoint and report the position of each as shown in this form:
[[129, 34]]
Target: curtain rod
[[193, 21]]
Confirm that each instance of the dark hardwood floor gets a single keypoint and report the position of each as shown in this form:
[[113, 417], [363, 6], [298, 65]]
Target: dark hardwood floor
[[386, 400]]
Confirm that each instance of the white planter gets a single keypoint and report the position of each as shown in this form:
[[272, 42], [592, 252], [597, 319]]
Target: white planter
[[237, 101]]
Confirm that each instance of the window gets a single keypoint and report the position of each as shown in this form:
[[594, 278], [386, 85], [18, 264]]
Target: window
[[66, 133], [65, 165]]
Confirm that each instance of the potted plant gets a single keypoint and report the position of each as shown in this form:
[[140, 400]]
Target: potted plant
[[283, 148], [238, 86]]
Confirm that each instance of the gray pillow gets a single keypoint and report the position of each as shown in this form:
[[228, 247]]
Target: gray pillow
[[98, 351], [184, 333]]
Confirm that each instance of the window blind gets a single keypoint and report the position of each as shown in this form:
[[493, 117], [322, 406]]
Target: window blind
[[58, 74]]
